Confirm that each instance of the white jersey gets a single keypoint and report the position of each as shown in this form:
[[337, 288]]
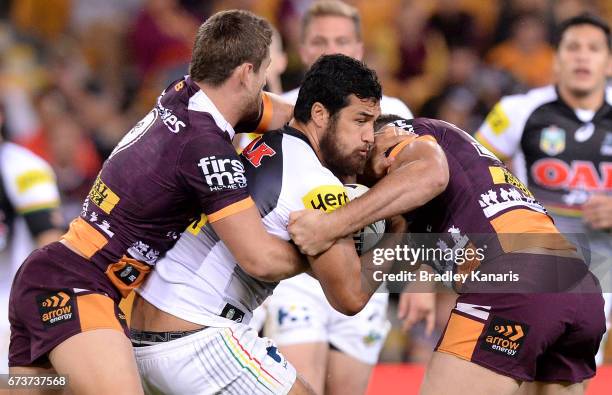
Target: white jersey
[[27, 187], [199, 280]]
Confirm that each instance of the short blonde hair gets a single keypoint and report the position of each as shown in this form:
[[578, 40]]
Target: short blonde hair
[[331, 8]]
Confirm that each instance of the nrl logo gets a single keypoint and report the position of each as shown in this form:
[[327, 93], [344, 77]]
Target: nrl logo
[[552, 140]]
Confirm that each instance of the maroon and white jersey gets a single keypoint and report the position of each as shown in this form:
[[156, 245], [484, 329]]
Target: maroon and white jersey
[[175, 164]]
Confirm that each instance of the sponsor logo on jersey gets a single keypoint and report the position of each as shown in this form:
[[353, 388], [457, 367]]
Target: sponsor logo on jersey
[[196, 226], [372, 338], [136, 133], [223, 173], [554, 173], [232, 312], [496, 200], [32, 178], [504, 337], [501, 175], [56, 308], [584, 132], [326, 198], [127, 274], [172, 122], [102, 196], [606, 145], [255, 155], [142, 252], [273, 353], [497, 120], [294, 316], [552, 140]]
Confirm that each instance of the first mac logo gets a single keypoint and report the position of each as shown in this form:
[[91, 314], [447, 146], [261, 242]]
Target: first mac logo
[[223, 173], [56, 308]]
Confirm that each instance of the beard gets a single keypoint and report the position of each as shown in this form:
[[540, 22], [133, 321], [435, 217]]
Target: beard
[[251, 110], [342, 164]]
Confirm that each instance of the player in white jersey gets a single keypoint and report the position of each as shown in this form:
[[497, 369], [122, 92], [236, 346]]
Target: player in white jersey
[[559, 141], [190, 331], [322, 343], [29, 218]]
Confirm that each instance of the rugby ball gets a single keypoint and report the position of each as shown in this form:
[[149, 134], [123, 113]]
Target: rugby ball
[[366, 238]]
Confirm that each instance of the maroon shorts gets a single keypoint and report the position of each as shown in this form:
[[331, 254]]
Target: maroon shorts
[[546, 337], [57, 294]]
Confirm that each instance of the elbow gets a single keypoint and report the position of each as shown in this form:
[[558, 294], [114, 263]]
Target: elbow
[[260, 270], [351, 305], [440, 182], [437, 183]]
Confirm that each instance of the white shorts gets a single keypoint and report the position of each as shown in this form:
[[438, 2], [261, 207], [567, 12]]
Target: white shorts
[[233, 360], [298, 313]]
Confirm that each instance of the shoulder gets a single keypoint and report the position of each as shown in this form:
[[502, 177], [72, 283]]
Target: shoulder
[[393, 105], [527, 102], [292, 95], [305, 177], [17, 159], [29, 180]]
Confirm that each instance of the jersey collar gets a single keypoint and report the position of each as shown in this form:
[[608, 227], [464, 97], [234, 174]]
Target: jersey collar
[[202, 103]]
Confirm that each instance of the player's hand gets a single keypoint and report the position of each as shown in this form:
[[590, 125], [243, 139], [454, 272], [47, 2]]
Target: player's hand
[[379, 162], [597, 212], [414, 307], [310, 231]]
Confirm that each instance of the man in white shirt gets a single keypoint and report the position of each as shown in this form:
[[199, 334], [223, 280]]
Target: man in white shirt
[[335, 353]]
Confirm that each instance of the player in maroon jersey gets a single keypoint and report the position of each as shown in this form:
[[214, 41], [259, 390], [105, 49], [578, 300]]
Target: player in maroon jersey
[[543, 326], [175, 164]]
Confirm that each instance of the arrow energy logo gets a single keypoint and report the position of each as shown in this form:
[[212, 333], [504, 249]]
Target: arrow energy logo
[[504, 337], [55, 308]]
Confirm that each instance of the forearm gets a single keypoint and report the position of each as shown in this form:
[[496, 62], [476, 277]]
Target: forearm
[[401, 191], [339, 272], [282, 260]]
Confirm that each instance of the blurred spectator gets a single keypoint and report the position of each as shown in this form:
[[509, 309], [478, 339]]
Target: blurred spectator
[[92, 20], [278, 64], [470, 89], [509, 11], [526, 54], [423, 55], [160, 41], [63, 143], [456, 25]]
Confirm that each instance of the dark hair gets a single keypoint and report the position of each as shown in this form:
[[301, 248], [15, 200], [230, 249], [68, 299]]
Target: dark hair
[[386, 119], [583, 19], [331, 80], [225, 41]]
